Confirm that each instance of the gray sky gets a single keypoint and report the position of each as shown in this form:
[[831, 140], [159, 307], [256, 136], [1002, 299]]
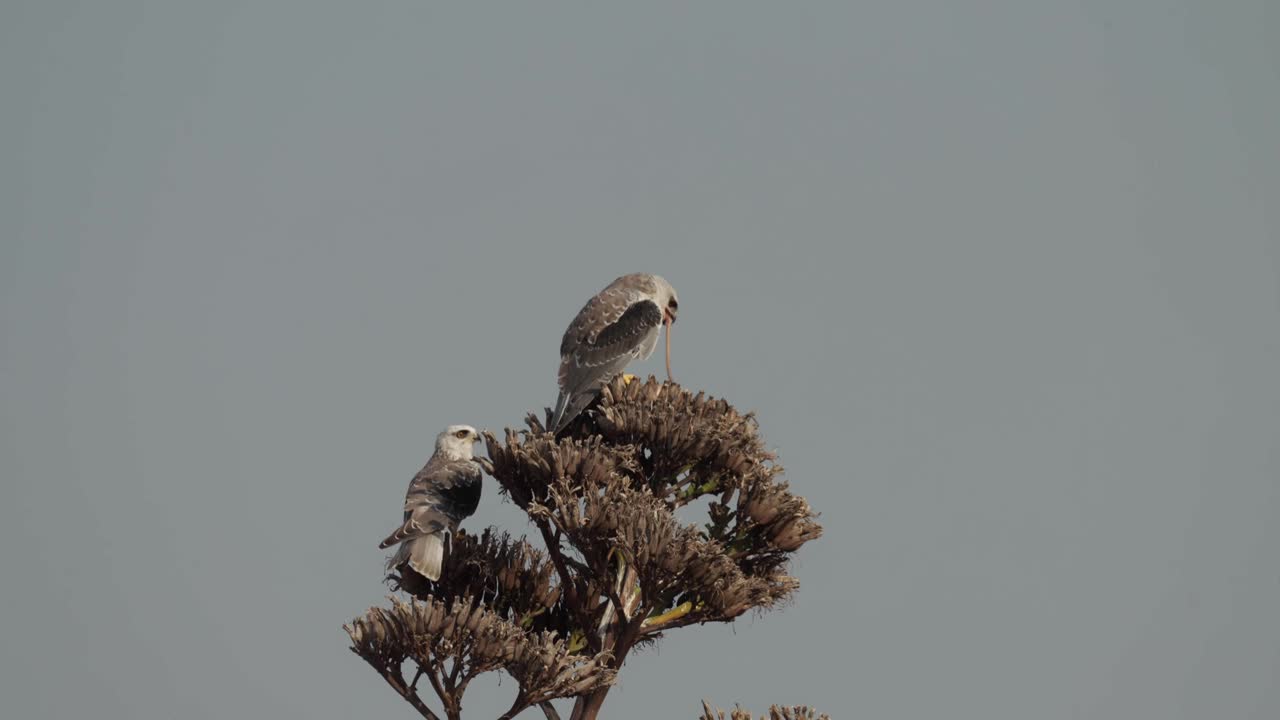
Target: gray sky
[[1001, 278]]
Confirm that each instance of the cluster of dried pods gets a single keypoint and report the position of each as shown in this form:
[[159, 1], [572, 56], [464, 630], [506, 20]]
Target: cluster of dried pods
[[619, 566], [511, 578], [452, 642], [796, 712], [645, 450]]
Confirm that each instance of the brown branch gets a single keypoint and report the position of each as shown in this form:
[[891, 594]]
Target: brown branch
[[418, 676], [396, 681], [557, 558], [517, 706], [445, 696], [521, 704], [451, 681], [462, 684], [563, 620], [587, 706]]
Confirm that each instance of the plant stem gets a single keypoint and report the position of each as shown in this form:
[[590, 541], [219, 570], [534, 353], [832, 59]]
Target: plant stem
[[588, 706], [396, 681], [657, 621]]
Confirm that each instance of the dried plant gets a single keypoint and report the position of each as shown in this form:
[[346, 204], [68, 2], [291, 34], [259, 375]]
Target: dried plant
[[797, 712], [617, 567]]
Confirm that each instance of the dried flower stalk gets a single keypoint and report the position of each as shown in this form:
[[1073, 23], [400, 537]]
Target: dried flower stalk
[[796, 712], [618, 567]]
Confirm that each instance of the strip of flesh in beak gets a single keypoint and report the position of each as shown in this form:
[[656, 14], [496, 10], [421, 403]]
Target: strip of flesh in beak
[[668, 333]]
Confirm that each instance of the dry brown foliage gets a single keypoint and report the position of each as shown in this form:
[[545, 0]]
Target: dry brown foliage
[[617, 568], [796, 712]]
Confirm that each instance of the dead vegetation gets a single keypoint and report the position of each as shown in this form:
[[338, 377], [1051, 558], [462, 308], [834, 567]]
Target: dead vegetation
[[615, 568]]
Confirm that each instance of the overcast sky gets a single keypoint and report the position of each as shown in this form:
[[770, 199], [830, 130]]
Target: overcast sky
[[1002, 280]]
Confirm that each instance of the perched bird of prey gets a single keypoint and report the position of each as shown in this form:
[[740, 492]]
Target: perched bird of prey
[[621, 323], [443, 493]]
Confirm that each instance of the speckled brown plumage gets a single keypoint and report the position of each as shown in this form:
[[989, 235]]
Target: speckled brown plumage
[[620, 324]]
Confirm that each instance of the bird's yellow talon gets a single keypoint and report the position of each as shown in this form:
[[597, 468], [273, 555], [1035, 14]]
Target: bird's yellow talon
[[627, 378]]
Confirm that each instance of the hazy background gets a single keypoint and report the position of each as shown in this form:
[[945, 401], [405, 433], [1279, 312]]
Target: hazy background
[[1001, 278]]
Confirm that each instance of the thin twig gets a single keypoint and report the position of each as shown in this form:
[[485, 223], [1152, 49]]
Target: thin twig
[[452, 680], [549, 710], [414, 685], [517, 706], [445, 697], [462, 684], [553, 550], [396, 681]]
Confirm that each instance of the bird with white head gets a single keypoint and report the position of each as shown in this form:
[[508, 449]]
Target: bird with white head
[[445, 492]]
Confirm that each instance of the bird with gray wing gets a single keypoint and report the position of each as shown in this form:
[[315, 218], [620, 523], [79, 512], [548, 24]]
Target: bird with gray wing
[[620, 324], [443, 493]]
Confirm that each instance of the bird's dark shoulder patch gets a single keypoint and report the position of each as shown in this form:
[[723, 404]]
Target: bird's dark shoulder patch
[[462, 499], [638, 320]]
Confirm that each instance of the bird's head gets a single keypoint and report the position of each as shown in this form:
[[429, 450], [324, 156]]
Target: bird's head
[[457, 442], [667, 300]]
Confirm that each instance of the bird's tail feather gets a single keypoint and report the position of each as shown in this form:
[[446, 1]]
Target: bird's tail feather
[[557, 415], [570, 408], [425, 554]]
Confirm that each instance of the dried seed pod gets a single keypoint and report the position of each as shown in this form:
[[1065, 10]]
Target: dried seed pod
[[796, 712], [607, 488], [471, 634]]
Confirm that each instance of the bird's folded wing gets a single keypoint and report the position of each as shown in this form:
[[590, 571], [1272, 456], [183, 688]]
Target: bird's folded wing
[[422, 520], [619, 338], [438, 474], [600, 311]]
